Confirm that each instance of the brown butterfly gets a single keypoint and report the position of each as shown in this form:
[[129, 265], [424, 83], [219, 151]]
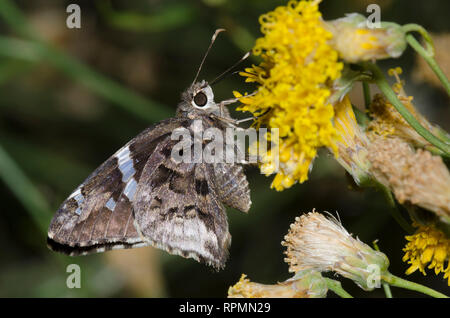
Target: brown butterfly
[[141, 197]]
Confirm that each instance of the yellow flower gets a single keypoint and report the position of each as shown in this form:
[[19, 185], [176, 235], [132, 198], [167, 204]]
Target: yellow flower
[[309, 284], [428, 246], [294, 84], [351, 142]]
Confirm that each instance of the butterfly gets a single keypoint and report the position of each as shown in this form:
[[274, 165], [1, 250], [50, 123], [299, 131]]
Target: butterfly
[[141, 197]]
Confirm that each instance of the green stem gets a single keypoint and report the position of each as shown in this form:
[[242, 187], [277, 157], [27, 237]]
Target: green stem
[[412, 27], [442, 134], [403, 283], [35, 49], [99, 84], [336, 287], [384, 86], [430, 60], [386, 287], [16, 20], [366, 91], [361, 117], [167, 18], [387, 290], [395, 211], [24, 190]]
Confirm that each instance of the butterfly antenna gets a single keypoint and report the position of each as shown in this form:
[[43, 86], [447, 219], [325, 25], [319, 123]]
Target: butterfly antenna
[[207, 51], [218, 78]]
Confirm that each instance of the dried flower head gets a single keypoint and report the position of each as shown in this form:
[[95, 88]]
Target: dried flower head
[[387, 121], [356, 42], [428, 246], [416, 177], [322, 244], [351, 141], [294, 80], [309, 284]]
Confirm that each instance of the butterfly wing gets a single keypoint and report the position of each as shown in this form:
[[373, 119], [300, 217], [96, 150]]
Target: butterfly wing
[[98, 214], [140, 197], [177, 209]]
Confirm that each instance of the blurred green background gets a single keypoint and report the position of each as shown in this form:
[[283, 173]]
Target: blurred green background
[[69, 98]]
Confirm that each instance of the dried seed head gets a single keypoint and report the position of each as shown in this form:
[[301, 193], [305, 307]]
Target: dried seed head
[[322, 244], [415, 177]]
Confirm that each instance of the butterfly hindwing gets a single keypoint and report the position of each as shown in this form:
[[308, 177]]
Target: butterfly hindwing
[[177, 209], [98, 214]]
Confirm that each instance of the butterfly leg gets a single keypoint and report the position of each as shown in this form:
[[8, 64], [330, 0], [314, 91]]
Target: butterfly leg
[[233, 122], [245, 119], [228, 102], [251, 118], [234, 100], [227, 120]]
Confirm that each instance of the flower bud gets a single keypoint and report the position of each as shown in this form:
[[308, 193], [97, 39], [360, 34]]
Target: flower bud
[[356, 42]]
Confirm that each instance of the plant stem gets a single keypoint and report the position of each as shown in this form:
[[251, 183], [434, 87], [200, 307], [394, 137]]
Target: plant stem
[[386, 287], [99, 84], [361, 117], [395, 211], [16, 20], [366, 91], [24, 190], [387, 290], [169, 17], [36, 50], [403, 283], [430, 60], [336, 287], [412, 27], [384, 86]]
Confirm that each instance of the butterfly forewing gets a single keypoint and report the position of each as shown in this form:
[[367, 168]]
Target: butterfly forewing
[[99, 211]]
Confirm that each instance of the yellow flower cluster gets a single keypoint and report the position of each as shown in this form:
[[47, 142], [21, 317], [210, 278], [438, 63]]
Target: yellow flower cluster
[[428, 246], [294, 80]]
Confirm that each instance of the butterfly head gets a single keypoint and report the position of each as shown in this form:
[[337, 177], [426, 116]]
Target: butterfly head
[[198, 100]]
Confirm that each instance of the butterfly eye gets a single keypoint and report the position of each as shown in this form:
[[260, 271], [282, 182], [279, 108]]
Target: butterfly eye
[[200, 99]]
